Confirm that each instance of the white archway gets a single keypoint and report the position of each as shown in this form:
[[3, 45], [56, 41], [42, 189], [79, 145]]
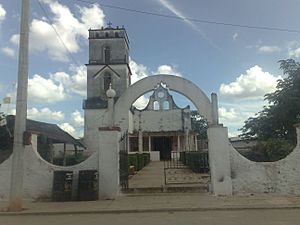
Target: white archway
[[174, 83]]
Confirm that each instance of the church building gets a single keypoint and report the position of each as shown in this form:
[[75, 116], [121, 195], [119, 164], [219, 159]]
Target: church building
[[160, 128]]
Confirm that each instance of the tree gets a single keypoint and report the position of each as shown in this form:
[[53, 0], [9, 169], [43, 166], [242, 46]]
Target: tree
[[277, 119], [199, 124]]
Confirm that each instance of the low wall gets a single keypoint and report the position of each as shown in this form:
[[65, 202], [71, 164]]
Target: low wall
[[38, 173], [282, 177]]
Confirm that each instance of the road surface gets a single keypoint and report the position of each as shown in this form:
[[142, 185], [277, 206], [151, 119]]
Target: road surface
[[228, 217]]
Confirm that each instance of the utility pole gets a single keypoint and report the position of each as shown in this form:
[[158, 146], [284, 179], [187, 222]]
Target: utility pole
[[16, 184]]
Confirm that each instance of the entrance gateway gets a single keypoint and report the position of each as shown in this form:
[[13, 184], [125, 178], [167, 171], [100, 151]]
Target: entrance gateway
[[108, 110]]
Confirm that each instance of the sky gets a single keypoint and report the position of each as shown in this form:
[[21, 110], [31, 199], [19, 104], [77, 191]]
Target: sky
[[236, 61]]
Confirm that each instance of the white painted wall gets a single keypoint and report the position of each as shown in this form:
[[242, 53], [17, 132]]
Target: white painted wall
[[93, 119], [157, 121], [108, 163], [282, 177], [219, 160], [38, 173]]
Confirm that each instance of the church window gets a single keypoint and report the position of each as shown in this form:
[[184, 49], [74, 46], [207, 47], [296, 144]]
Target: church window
[[156, 105], [107, 54], [160, 94], [107, 81], [166, 105]]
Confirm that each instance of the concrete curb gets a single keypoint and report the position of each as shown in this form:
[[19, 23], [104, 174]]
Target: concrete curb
[[153, 210]]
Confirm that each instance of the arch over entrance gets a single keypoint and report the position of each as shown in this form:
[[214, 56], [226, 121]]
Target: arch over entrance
[[174, 83]]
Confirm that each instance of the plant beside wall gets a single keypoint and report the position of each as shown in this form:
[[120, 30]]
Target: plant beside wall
[[197, 161], [273, 126], [138, 160], [269, 151]]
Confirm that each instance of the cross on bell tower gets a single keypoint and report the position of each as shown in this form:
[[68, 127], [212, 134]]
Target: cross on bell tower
[[108, 65]]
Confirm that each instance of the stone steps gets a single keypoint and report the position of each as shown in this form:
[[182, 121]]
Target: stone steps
[[168, 189]]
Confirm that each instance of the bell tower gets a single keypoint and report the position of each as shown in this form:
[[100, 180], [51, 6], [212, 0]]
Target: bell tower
[[107, 68], [108, 64]]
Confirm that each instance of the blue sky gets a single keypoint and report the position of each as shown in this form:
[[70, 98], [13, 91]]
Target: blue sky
[[240, 64]]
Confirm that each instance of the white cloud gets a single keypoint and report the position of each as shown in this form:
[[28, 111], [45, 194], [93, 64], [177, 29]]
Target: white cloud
[[294, 52], [139, 71], [77, 119], [75, 125], [45, 114], [71, 130], [15, 39], [59, 86], [68, 128], [45, 90], [166, 69], [234, 116], [75, 82], [8, 52], [268, 49], [2, 13], [71, 30], [254, 84], [141, 102]]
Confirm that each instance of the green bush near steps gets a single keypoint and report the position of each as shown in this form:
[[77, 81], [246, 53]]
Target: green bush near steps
[[196, 161], [139, 161]]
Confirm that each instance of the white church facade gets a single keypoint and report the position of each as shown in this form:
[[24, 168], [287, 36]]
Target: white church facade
[[160, 128]]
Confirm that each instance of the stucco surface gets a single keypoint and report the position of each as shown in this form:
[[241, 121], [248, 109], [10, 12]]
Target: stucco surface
[[38, 173], [157, 121], [280, 177]]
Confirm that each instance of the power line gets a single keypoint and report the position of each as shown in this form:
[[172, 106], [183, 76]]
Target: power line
[[57, 34], [279, 29]]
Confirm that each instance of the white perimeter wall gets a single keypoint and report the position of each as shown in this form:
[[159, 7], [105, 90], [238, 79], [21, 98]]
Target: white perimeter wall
[[38, 174], [282, 177]]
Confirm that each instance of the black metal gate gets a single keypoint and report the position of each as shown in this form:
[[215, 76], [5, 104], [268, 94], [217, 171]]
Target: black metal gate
[[123, 161], [190, 167]]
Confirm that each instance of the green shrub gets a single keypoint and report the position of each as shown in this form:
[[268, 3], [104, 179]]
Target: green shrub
[[133, 161], [141, 164], [70, 159], [197, 161], [182, 157], [270, 150], [139, 161], [146, 158]]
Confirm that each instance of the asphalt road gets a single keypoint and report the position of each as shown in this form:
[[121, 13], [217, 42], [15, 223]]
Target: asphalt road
[[229, 217]]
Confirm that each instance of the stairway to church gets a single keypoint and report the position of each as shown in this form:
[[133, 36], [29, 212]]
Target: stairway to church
[[151, 179]]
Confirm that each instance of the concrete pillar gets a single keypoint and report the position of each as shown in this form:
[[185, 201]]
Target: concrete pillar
[[140, 139], [196, 142], [186, 140], [219, 160], [110, 112], [215, 113], [110, 93], [16, 184], [128, 143], [178, 143], [108, 162], [149, 143]]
